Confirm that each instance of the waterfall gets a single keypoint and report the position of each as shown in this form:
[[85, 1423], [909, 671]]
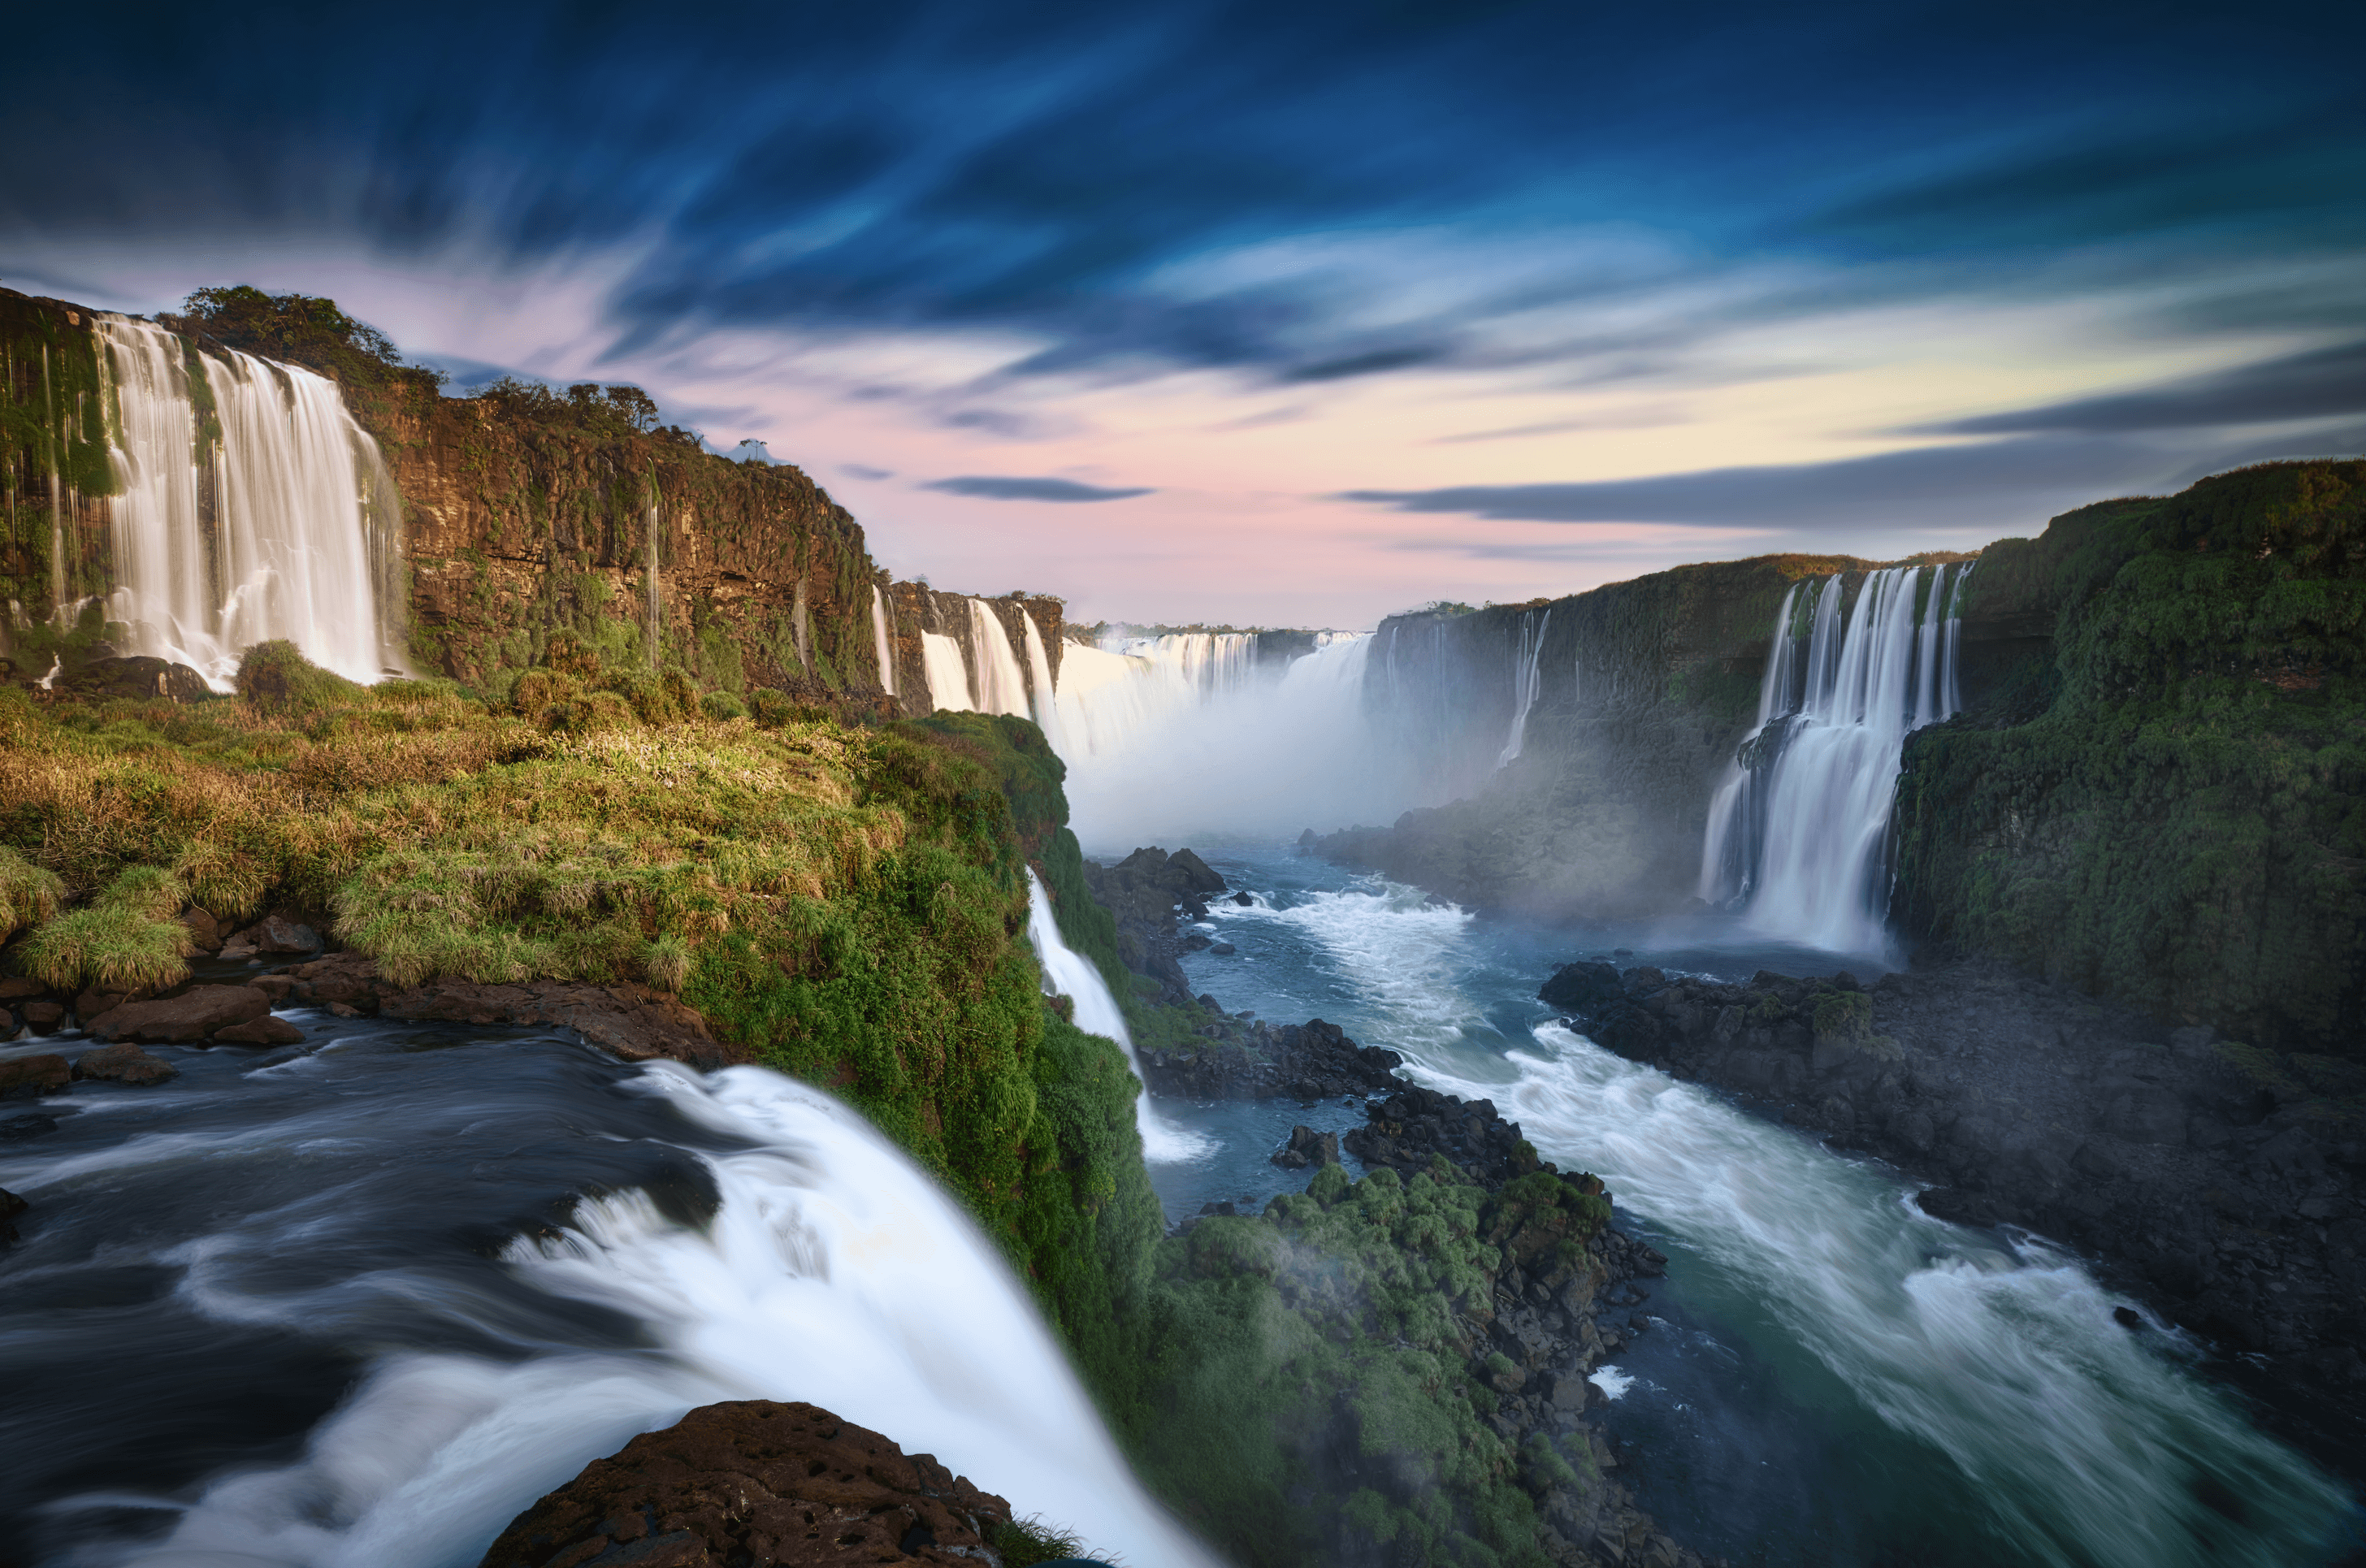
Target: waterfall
[[1067, 973], [650, 578], [1524, 681], [879, 637], [1798, 830], [292, 547], [1047, 701], [1000, 684], [948, 677]]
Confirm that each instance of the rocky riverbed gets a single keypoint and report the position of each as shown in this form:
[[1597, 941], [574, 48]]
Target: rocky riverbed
[[2224, 1181]]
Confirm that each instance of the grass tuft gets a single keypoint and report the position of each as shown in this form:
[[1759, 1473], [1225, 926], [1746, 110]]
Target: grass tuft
[[27, 893], [125, 940]]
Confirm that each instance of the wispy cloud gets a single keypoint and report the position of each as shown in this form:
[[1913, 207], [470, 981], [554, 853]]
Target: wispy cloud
[[986, 486]]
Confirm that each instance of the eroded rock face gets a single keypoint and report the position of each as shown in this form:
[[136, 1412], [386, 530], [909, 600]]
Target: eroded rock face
[[1143, 894], [752, 1483]]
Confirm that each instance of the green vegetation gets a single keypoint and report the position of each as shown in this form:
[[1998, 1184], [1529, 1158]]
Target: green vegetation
[[1311, 1386], [845, 903], [1022, 1543], [2168, 808]]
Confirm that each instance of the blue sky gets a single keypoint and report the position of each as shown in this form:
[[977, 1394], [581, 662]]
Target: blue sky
[[1286, 313]]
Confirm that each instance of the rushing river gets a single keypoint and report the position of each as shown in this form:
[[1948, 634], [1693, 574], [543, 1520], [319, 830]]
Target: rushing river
[[359, 1302], [1827, 1376]]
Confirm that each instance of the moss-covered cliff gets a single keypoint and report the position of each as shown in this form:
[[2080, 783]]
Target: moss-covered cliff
[[2164, 798]]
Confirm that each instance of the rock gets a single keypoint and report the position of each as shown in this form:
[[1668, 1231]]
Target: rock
[[95, 1003], [43, 1018], [1955, 1205], [205, 932], [182, 1020], [23, 1078], [751, 1481], [2127, 1317], [1581, 987], [1252, 1061], [17, 1128], [1244, 900], [279, 934], [275, 986], [1223, 950], [264, 1030], [17, 989], [1198, 876], [10, 1207], [1307, 1146], [137, 677], [124, 1062]]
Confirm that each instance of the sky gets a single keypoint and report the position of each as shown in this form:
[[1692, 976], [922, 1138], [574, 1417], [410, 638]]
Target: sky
[[1286, 314]]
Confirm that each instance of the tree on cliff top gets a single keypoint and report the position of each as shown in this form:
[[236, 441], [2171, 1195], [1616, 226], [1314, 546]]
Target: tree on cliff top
[[302, 329]]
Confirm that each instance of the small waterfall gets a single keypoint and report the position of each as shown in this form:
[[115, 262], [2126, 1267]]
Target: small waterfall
[[1000, 683], [1798, 830], [1067, 973], [1047, 699], [649, 577], [292, 547], [879, 637], [948, 677], [1524, 681]]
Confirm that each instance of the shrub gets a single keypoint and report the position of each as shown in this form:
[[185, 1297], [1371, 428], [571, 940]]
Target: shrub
[[125, 940], [276, 678], [722, 706], [27, 893]]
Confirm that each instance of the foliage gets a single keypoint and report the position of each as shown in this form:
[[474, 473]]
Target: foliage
[[1022, 1543], [2172, 814], [276, 678], [127, 940], [27, 892]]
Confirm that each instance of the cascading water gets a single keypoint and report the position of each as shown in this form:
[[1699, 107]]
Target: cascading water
[[1524, 681], [1001, 684], [1038, 670], [295, 542], [948, 677], [315, 1373], [1067, 973], [879, 635], [1798, 830]]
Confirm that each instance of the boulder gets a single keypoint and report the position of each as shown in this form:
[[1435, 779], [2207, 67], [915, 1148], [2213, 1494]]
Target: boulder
[[96, 1003], [192, 1016], [264, 1030], [22, 1077], [1581, 987], [135, 677], [1198, 876], [1307, 1146], [205, 931], [17, 989], [279, 934], [124, 1062], [44, 1017], [10, 1207], [751, 1481]]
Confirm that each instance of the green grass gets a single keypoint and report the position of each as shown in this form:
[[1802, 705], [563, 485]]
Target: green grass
[[127, 939]]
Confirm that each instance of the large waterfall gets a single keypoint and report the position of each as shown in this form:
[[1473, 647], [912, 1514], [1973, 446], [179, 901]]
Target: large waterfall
[[250, 506], [1798, 828]]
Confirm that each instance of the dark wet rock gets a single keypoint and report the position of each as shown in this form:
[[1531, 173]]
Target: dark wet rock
[[630, 1020], [1582, 985], [98, 1002], [1198, 876], [44, 1017], [124, 1062], [136, 677], [1415, 1125], [1307, 1146], [2221, 1180], [754, 1481], [277, 935], [193, 1015], [205, 931], [1142, 894], [16, 988], [275, 986], [1245, 1060], [1244, 900], [264, 1030], [23, 1078], [1223, 950], [10, 1207], [15, 1129]]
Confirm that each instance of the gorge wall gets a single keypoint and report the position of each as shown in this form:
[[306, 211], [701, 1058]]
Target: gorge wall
[[522, 512]]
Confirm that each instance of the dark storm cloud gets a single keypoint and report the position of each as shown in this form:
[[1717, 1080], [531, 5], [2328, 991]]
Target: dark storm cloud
[[2325, 383], [988, 487], [1047, 168], [1980, 483]]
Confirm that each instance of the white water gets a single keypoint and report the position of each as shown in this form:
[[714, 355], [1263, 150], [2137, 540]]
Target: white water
[[948, 677], [1524, 681], [879, 638], [291, 552], [1067, 973], [1800, 839], [1000, 683], [1038, 670], [1182, 737], [825, 1275], [2089, 1445]]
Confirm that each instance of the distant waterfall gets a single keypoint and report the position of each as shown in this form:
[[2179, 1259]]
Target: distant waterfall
[[250, 506], [997, 684], [1039, 669], [1798, 831], [879, 637], [1067, 973], [948, 677], [1524, 681]]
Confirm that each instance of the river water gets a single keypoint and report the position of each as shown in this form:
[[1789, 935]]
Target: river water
[[359, 1302], [1826, 1375]]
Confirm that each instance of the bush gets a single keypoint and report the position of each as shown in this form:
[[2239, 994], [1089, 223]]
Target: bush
[[127, 939], [276, 678], [722, 706], [27, 893]]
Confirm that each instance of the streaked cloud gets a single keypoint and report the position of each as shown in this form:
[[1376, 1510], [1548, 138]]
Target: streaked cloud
[[986, 486]]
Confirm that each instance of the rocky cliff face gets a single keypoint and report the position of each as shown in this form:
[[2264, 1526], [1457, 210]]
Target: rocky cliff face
[[524, 512]]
